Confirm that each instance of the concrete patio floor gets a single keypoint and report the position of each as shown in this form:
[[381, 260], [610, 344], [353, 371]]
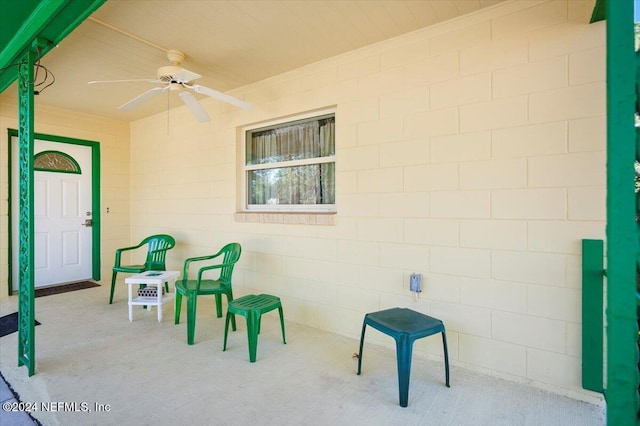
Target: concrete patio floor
[[142, 372]]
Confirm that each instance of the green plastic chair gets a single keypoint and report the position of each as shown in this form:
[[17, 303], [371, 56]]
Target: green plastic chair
[[252, 307], [157, 247], [192, 288]]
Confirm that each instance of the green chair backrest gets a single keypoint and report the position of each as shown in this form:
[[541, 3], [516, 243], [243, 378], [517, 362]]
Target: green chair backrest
[[157, 251], [231, 254]]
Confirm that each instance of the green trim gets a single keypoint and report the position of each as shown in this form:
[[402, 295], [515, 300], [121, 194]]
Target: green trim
[[96, 197], [76, 167], [599, 11], [10, 133], [622, 231], [48, 20], [41, 16], [592, 315], [97, 209]]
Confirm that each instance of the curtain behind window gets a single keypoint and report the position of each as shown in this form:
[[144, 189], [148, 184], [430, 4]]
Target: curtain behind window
[[304, 184]]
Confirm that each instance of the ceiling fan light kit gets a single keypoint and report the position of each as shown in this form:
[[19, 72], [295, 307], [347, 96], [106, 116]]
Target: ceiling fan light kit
[[175, 78]]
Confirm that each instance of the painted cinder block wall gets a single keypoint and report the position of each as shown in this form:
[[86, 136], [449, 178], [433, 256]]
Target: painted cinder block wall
[[472, 152]]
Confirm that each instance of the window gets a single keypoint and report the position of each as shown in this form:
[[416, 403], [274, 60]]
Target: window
[[291, 166], [55, 161]]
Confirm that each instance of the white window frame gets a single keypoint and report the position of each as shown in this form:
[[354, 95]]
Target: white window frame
[[283, 208]]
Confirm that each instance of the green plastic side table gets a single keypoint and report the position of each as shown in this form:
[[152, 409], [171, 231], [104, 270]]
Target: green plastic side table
[[405, 326], [252, 307]]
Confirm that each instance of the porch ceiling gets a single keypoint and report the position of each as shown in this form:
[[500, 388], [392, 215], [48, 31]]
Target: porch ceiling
[[230, 43]]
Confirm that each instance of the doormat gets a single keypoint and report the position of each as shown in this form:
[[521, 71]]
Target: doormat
[[9, 324], [48, 291]]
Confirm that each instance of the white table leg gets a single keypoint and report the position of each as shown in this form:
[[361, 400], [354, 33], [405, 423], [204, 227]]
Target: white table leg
[[130, 300], [159, 290]]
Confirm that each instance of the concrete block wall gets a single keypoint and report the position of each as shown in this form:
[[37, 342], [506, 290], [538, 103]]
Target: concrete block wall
[[472, 152]]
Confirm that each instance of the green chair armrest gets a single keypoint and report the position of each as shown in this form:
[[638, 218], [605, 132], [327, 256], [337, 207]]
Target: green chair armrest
[[130, 248], [190, 260], [120, 250], [209, 268]]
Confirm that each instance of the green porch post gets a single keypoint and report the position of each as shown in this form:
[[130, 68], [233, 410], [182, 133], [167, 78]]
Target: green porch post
[[622, 232], [26, 306]]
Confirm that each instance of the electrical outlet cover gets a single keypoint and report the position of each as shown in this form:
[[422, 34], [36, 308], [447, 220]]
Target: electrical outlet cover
[[415, 283]]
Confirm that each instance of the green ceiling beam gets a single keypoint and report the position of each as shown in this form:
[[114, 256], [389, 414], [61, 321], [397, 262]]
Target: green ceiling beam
[[41, 16], [50, 20], [599, 11]]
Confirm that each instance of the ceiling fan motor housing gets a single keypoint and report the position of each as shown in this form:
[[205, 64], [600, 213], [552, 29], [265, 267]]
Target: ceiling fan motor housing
[[168, 73]]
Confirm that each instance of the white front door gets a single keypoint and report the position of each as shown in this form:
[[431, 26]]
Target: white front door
[[62, 205]]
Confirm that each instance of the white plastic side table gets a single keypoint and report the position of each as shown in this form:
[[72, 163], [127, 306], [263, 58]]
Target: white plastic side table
[[150, 278]]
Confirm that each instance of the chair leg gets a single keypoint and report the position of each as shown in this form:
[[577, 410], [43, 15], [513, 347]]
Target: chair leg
[[282, 324], [364, 328], [233, 322], [178, 308], [113, 286], [233, 316], [446, 357], [191, 318], [226, 330], [253, 319], [219, 305], [404, 348]]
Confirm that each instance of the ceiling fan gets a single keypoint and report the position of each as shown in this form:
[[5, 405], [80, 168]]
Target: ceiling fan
[[174, 78]]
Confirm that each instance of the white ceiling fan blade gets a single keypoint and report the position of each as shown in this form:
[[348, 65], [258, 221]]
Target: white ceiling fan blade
[[222, 96], [185, 76], [149, 94], [124, 81], [196, 109]]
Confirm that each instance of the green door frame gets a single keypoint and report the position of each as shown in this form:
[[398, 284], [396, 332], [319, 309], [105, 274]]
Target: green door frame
[[95, 190]]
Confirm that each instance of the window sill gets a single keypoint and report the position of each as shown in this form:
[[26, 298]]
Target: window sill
[[322, 219]]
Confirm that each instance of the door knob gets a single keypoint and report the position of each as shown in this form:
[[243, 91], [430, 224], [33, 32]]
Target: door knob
[[88, 223]]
